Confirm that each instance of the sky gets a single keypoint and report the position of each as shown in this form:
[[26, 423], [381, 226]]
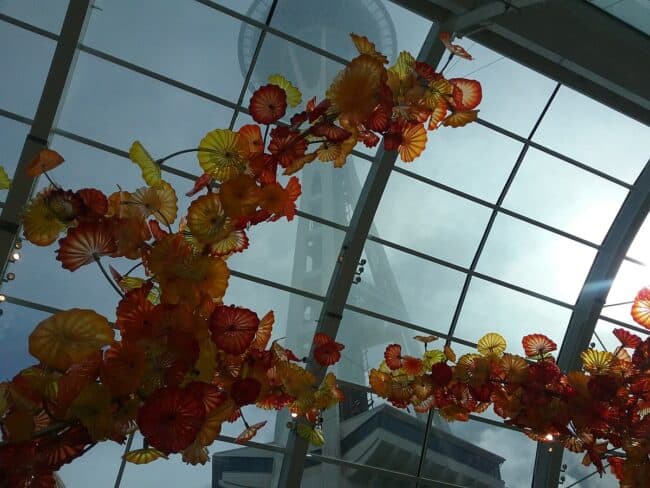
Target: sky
[[197, 46]]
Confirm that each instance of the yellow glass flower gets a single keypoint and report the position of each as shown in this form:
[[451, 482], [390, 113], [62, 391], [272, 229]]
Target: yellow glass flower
[[491, 343], [158, 201], [68, 337], [206, 219], [40, 224], [294, 97], [151, 173], [221, 155]]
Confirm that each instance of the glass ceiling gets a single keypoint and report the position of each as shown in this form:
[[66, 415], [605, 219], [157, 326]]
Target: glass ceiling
[[493, 228]]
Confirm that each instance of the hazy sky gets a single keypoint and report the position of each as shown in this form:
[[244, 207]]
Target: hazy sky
[[197, 46]]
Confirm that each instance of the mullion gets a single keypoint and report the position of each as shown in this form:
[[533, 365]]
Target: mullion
[[488, 229]]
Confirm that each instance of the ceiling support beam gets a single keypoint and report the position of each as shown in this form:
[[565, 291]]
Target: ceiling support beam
[[346, 267], [44, 120], [590, 303]]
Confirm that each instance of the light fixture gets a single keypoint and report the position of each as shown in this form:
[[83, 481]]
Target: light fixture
[[18, 244], [294, 414], [2, 298], [548, 437], [10, 276], [15, 256]]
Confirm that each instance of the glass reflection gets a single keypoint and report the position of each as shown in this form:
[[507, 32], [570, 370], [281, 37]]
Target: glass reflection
[[47, 15], [535, 259]]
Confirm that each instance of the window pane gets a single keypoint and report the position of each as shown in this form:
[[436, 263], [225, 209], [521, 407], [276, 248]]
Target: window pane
[[536, 259], [236, 466], [295, 315], [300, 253], [493, 308], [514, 105], [576, 471], [407, 288], [117, 106], [47, 14], [186, 41], [12, 139], [475, 160], [588, 131], [16, 324], [390, 27], [469, 452], [564, 196], [365, 340], [430, 220], [24, 68]]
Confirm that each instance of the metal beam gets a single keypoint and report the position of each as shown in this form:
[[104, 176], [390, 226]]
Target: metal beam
[[38, 137], [590, 304], [346, 266]]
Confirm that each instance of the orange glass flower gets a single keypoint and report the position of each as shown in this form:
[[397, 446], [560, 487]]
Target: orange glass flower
[[356, 90]]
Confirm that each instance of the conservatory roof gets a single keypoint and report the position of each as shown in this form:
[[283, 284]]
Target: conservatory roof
[[530, 220]]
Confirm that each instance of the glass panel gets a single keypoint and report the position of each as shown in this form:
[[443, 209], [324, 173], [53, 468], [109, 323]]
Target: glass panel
[[596, 135], [12, 139], [629, 280], [16, 324], [116, 106], [390, 27], [536, 259], [580, 476], [493, 308], [189, 42], [402, 286], [564, 196], [603, 335], [24, 68], [300, 253], [47, 15], [478, 454], [430, 220], [475, 160], [514, 105], [365, 340], [238, 466], [309, 71], [319, 474]]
